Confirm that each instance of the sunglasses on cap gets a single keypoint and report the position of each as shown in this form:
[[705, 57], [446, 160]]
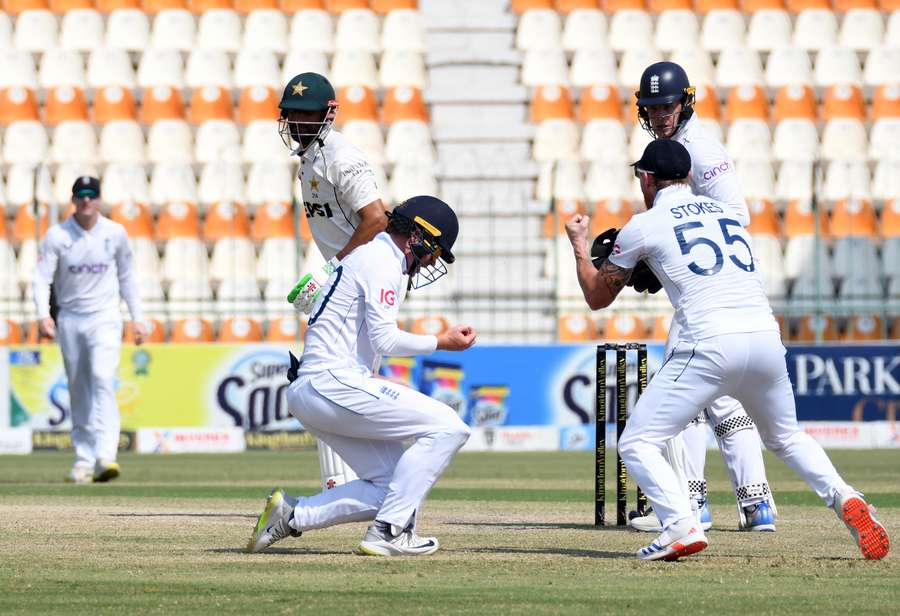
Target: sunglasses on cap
[[638, 171], [87, 194]]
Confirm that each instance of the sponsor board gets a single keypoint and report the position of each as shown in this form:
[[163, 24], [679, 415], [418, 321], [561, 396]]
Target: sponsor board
[[15, 441], [513, 438], [58, 440], [280, 440], [853, 434], [190, 440]]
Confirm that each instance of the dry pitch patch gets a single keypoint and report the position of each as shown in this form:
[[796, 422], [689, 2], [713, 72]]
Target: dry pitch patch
[[89, 550]]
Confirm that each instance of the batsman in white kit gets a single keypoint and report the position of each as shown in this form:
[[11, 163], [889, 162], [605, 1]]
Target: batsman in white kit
[[88, 260], [665, 108], [728, 344], [366, 420], [341, 200]]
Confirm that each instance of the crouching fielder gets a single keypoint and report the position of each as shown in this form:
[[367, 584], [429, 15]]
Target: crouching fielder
[[729, 344], [365, 419]]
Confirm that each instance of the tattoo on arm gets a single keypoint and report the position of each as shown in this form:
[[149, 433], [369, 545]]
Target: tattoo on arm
[[613, 276]]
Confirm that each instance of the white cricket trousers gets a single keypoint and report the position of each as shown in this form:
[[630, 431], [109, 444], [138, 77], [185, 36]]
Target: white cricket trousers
[[90, 345], [748, 366], [366, 420]]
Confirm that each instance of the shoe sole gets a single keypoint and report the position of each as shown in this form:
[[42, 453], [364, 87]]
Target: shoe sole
[[271, 501], [372, 549], [109, 473], [686, 550], [872, 538], [761, 528]]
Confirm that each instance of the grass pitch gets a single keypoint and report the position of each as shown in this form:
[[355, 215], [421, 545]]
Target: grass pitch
[[515, 530]]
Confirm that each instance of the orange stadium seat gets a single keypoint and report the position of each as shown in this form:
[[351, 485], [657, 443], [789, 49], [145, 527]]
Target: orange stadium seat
[[747, 103], [551, 103], [356, 103], [10, 332], [798, 220], [795, 6], [660, 328], [178, 219], [576, 328], [152, 7], [161, 103], [886, 102], [286, 329], [567, 6], [705, 6], [17, 104], [226, 220], [763, 218], [520, 6], [246, 6], [136, 219], [240, 329], [600, 102], [624, 327], [192, 330], [844, 101], [114, 103], [555, 221], [611, 6], [108, 6], [612, 213], [201, 6], [383, 7], [339, 6], [895, 329], [853, 217], [156, 331], [658, 6], [14, 7], [863, 327], [431, 324], [706, 103], [258, 103], [64, 6], [273, 220], [890, 219], [63, 104], [292, 6], [751, 6], [842, 6], [796, 102], [25, 225], [810, 324], [31, 334], [211, 103], [403, 103]]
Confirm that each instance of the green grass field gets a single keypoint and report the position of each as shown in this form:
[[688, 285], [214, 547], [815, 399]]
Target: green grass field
[[515, 529]]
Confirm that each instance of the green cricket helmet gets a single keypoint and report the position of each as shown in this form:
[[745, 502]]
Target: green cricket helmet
[[310, 92]]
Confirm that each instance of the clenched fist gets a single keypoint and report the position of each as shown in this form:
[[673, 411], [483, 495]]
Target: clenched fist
[[577, 229], [457, 338]]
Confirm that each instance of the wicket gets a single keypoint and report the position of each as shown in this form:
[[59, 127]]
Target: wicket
[[619, 416]]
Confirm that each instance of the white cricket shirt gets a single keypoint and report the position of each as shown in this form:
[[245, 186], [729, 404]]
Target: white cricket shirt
[[701, 254], [337, 181], [89, 269], [354, 321], [712, 171]]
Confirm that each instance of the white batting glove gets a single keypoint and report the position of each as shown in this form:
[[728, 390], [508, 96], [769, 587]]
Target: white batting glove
[[307, 290]]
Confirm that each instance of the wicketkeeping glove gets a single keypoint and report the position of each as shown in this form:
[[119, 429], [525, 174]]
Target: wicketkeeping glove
[[643, 279], [603, 246], [305, 293]]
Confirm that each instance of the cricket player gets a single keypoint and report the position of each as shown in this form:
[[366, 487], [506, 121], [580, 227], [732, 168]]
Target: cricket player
[[363, 418], [728, 344], [665, 107], [88, 260], [341, 200]]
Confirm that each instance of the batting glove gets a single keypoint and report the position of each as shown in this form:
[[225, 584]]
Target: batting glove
[[307, 290]]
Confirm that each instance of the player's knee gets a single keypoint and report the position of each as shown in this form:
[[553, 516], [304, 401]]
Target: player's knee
[[628, 445], [459, 432]]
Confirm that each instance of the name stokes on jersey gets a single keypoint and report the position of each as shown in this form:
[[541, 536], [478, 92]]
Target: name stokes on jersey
[[701, 207]]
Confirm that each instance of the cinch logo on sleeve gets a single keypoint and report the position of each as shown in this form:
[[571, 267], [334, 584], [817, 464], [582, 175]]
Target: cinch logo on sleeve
[[89, 268], [388, 297], [716, 170]]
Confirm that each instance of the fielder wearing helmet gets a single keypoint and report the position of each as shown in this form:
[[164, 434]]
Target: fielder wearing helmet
[[431, 227], [665, 104]]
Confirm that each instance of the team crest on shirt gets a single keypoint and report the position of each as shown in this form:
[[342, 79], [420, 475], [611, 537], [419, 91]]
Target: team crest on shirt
[[314, 185], [617, 249]]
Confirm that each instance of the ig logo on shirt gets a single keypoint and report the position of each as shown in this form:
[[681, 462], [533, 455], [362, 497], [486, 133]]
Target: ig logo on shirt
[[388, 297]]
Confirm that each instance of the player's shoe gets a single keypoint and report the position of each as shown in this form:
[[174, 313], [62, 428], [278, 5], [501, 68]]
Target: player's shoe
[[80, 474], [759, 518], [679, 540], [705, 515], [105, 471], [273, 523], [859, 517], [383, 539]]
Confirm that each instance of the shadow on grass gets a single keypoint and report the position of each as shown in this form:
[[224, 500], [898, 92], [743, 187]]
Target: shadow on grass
[[540, 526], [183, 515], [288, 551], [580, 553]]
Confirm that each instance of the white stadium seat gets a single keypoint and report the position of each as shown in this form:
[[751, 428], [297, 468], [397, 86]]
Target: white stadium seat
[[630, 29], [128, 29], [221, 181], [172, 182], [108, 66], [403, 68], [173, 29], [539, 29], [36, 30], [81, 30], [219, 29], [788, 66], [17, 69], [61, 67], [544, 67], [836, 66], [262, 142], [585, 29], [170, 141], [122, 141], [722, 29], [312, 29], [674, 27], [862, 29], [769, 29], [354, 67], [208, 67], [25, 142], [815, 29], [266, 29], [633, 63], [357, 29], [738, 66], [795, 140], [403, 29], [217, 140], [593, 67], [257, 67], [160, 67]]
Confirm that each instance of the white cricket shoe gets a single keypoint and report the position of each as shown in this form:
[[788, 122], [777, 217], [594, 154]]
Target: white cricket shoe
[[648, 523], [383, 539], [273, 523], [80, 474], [105, 470], [859, 517], [680, 539]]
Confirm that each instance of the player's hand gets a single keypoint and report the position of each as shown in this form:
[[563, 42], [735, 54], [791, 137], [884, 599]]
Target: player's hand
[[307, 290], [140, 333], [47, 328], [457, 338], [643, 279], [577, 229]]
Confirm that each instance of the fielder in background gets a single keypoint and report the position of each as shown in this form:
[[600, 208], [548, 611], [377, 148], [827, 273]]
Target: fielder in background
[[728, 344], [665, 107], [341, 202], [366, 419], [88, 260]]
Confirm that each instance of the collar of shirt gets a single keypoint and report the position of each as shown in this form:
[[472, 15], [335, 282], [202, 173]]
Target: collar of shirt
[[311, 151], [74, 224], [401, 258], [686, 128], [670, 192]]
